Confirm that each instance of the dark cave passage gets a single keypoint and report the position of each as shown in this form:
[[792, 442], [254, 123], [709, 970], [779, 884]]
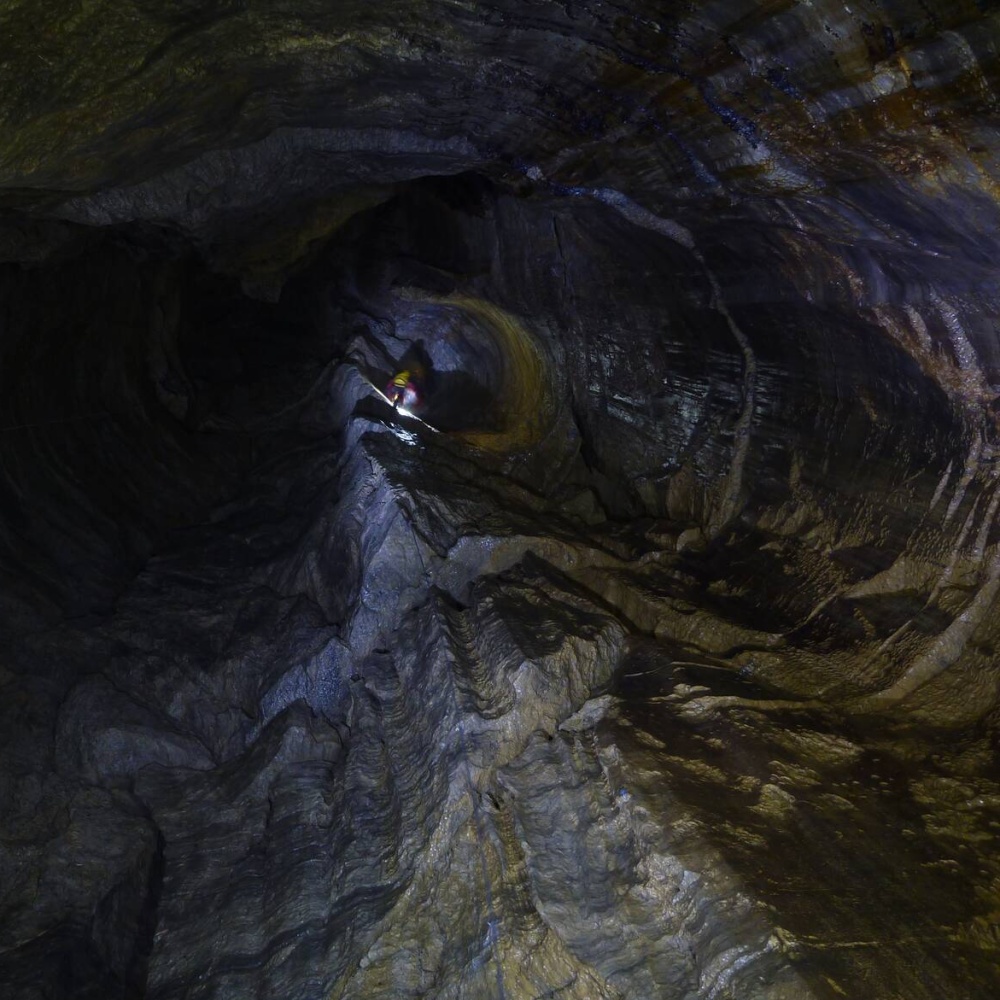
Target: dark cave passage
[[139, 394], [649, 650], [279, 527]]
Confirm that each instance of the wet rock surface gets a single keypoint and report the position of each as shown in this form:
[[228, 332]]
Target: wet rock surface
[[651, 652]]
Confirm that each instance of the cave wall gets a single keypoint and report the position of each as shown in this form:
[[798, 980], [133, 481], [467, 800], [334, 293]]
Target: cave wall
[[653, 654]]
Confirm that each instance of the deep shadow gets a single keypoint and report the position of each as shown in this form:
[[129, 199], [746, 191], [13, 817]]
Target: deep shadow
[[461, 402]]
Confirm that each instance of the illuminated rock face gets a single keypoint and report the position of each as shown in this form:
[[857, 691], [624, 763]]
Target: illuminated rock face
[[655, 657]]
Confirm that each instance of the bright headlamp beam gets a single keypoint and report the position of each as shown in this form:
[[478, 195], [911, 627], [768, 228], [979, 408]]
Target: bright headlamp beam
[[399, 409]]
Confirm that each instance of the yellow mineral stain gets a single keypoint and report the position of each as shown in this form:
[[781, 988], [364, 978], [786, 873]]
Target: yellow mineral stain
[[525, 397]]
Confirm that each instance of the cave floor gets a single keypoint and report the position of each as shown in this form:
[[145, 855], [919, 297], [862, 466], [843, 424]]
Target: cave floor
[[863, 839], [692, 830]]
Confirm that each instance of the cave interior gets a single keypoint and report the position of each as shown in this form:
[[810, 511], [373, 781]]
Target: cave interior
[[650, 650]]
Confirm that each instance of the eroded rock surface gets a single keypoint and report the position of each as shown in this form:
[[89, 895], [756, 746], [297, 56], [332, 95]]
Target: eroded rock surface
[[652, 654]]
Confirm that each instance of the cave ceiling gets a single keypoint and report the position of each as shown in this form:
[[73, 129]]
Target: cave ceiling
[[647, 648]]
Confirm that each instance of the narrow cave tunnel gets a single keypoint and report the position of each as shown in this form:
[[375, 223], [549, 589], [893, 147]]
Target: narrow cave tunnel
[[649, 649]]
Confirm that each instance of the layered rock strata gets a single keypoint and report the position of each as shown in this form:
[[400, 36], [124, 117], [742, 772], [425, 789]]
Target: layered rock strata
[[653, 655]]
